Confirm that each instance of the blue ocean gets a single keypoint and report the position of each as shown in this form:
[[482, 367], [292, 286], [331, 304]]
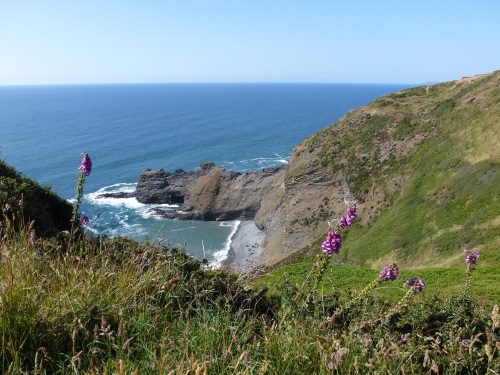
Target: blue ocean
[[131, 127]]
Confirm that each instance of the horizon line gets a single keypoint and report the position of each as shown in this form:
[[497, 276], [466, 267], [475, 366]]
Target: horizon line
[[217, 83]]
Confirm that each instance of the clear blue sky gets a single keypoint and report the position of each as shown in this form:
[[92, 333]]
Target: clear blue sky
[[121, 41]]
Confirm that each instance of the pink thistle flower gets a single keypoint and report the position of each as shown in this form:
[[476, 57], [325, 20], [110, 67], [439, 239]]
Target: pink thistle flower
[[472, 256], [333, 243], [346, 221], [417, 283], [389, 273], [85, 221], [86, 165]]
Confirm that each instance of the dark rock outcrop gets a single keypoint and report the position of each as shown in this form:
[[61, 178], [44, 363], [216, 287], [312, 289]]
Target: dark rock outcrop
[[209, 193], [120, 194]]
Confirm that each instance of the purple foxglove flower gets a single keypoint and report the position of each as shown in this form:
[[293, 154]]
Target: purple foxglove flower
[[85, 221], [416, 282], [389, 273], [421, 284], [411, 281], [86, 165], [346, 221], [472, 256], [343, 222], [333, 243]]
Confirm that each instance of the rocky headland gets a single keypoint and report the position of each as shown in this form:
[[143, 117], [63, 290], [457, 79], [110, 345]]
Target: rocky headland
[[422, 163], [214, 193], [209, 193]]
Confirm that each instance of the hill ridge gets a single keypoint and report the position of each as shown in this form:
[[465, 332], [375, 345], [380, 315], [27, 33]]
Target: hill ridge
[[409, 158]]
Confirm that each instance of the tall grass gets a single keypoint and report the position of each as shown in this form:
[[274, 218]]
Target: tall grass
[[116, 306]]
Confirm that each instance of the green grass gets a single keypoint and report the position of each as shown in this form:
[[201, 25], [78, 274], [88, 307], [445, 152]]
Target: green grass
[[116, 306], [442, 282]]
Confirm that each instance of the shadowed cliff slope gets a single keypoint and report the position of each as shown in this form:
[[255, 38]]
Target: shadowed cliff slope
[[23, 200]]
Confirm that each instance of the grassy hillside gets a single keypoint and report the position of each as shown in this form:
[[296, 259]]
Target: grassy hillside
[[114, 306], [423, 163], [441, 282]]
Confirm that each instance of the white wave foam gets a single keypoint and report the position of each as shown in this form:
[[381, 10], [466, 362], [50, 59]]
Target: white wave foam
[[178, 230], [255, 163], [226, 224], [124, 187], [131, 203], [144, 210], [121, 187], [149, 210], [221, 255]]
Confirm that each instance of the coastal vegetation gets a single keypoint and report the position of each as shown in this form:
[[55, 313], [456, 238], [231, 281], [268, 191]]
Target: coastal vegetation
[[102, 305], [381, 286], [424, 165], [20, 195]]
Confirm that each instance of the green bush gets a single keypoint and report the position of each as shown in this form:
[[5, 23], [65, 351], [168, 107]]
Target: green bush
[[24, 200]]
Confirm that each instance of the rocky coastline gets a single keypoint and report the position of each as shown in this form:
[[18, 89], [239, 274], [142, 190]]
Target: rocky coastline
[[212, 193], [379, 155]]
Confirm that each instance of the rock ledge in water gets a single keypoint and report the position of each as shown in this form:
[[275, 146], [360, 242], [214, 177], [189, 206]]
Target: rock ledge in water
[[209, 193]]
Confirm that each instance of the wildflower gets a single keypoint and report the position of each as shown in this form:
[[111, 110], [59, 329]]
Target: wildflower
[[334, 359], [495, 317], [472, 256], [346, 221], [390, 272], [86, 165], [85, 168], [404, 339], [471, 260], [85, 221], [417, 283], [32, 237], [333, 243]]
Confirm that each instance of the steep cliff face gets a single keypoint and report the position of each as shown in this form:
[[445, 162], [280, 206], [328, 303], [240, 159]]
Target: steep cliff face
[[424, 165]]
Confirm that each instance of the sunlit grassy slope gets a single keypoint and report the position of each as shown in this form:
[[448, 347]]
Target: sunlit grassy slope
[[441, 282], [424, 164]]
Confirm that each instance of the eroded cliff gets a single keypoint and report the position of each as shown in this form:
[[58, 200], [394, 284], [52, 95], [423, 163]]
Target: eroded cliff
[[209, 193]]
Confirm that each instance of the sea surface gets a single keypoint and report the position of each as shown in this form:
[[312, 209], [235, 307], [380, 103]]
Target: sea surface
[[131, 127]]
